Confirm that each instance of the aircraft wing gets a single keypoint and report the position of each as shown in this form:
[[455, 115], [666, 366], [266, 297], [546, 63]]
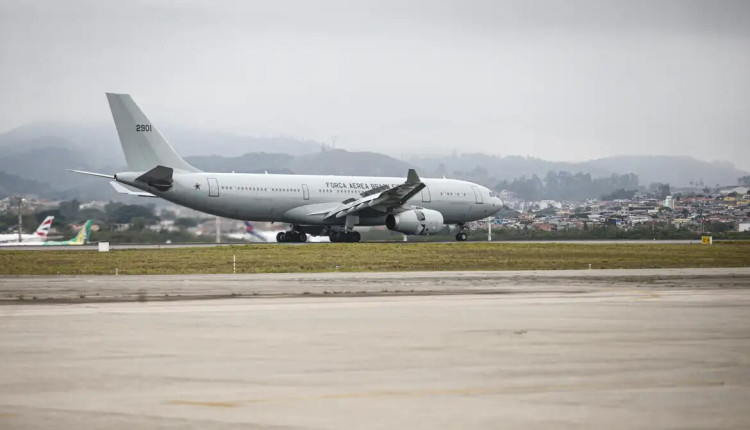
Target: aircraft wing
[[381, 199]]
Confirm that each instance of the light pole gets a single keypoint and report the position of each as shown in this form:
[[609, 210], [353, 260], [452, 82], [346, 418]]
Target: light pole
[[20, 217]]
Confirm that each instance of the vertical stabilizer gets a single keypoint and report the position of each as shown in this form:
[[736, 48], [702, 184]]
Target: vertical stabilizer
[[43, 231], [83, 235], [143, 145], [80, 239]]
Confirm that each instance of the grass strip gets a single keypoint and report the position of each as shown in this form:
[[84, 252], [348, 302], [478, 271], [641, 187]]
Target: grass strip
[[371, 257]]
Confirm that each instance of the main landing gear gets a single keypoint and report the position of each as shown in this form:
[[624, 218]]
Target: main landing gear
[[345, 236], [462, 233], [291, 236]]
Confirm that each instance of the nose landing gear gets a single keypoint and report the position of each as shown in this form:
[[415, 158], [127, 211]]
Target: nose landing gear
[[462, 234]]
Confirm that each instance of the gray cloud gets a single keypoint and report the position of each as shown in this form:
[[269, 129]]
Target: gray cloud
[[562, 80]]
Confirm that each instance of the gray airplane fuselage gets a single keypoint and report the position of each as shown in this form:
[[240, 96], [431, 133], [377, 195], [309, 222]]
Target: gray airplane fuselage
[[296, 198]]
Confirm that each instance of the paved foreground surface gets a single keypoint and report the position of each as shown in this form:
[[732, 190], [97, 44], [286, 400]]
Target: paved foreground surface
[[606, 355], [99, 288]]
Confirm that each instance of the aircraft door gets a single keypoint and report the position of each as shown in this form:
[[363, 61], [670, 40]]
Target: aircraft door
[[426, 195], [213, 187], [477, 195], [305, 192]]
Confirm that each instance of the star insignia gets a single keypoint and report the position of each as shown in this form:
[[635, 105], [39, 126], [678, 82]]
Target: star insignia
[[197, 186]]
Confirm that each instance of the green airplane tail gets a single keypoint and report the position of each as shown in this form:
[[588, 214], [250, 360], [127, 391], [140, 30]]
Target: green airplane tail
[[83, 235], [80, 239]]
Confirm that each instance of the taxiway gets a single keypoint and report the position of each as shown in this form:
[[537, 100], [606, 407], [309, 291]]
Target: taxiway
[[549, 350]]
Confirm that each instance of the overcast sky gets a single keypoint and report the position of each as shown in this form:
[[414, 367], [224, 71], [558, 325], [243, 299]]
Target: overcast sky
[[560, 80]]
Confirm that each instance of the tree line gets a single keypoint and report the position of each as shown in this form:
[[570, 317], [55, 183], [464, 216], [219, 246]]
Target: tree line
[[564, 185], [113, 214]]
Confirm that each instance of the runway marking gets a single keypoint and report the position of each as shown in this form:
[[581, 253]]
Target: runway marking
[[211, 404], [649, 296], [470, 391]]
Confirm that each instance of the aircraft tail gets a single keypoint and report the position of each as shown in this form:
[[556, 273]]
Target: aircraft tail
[[80, 239], [43, 231], [83, 234], [143, 145]]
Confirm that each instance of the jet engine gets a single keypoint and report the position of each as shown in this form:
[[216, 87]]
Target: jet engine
[[415, 221]]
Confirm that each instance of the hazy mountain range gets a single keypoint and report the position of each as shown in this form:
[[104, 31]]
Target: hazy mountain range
[[33, 159]]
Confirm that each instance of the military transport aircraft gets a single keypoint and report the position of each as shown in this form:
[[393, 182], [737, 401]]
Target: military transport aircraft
[[312, 204]]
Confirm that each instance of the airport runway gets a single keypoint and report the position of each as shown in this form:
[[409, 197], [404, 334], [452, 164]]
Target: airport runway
[[94, 247], [101, 288], [614, 349]]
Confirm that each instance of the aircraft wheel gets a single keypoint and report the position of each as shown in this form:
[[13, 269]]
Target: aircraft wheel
[[302, 237], [355, 236], [334, 236], [281, 237], [461, 237]]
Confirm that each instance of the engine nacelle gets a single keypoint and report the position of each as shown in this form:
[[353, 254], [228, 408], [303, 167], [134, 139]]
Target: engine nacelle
[[415, 221]]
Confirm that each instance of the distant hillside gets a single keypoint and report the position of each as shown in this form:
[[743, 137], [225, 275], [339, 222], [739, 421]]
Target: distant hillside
[[102, 146], [332, 162], [97, 142], [47, 164], [191, 143], [247, 163], [675, 170], [40, 152], [11, 185], [341, 162]]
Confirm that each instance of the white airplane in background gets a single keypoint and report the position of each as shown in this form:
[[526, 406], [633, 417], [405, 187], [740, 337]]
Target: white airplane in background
[[251, 234], [312, 204], [36, 238]]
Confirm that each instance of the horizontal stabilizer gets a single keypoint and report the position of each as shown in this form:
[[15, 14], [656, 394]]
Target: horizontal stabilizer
[[160, 177], [123, 190], [102, 175]]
